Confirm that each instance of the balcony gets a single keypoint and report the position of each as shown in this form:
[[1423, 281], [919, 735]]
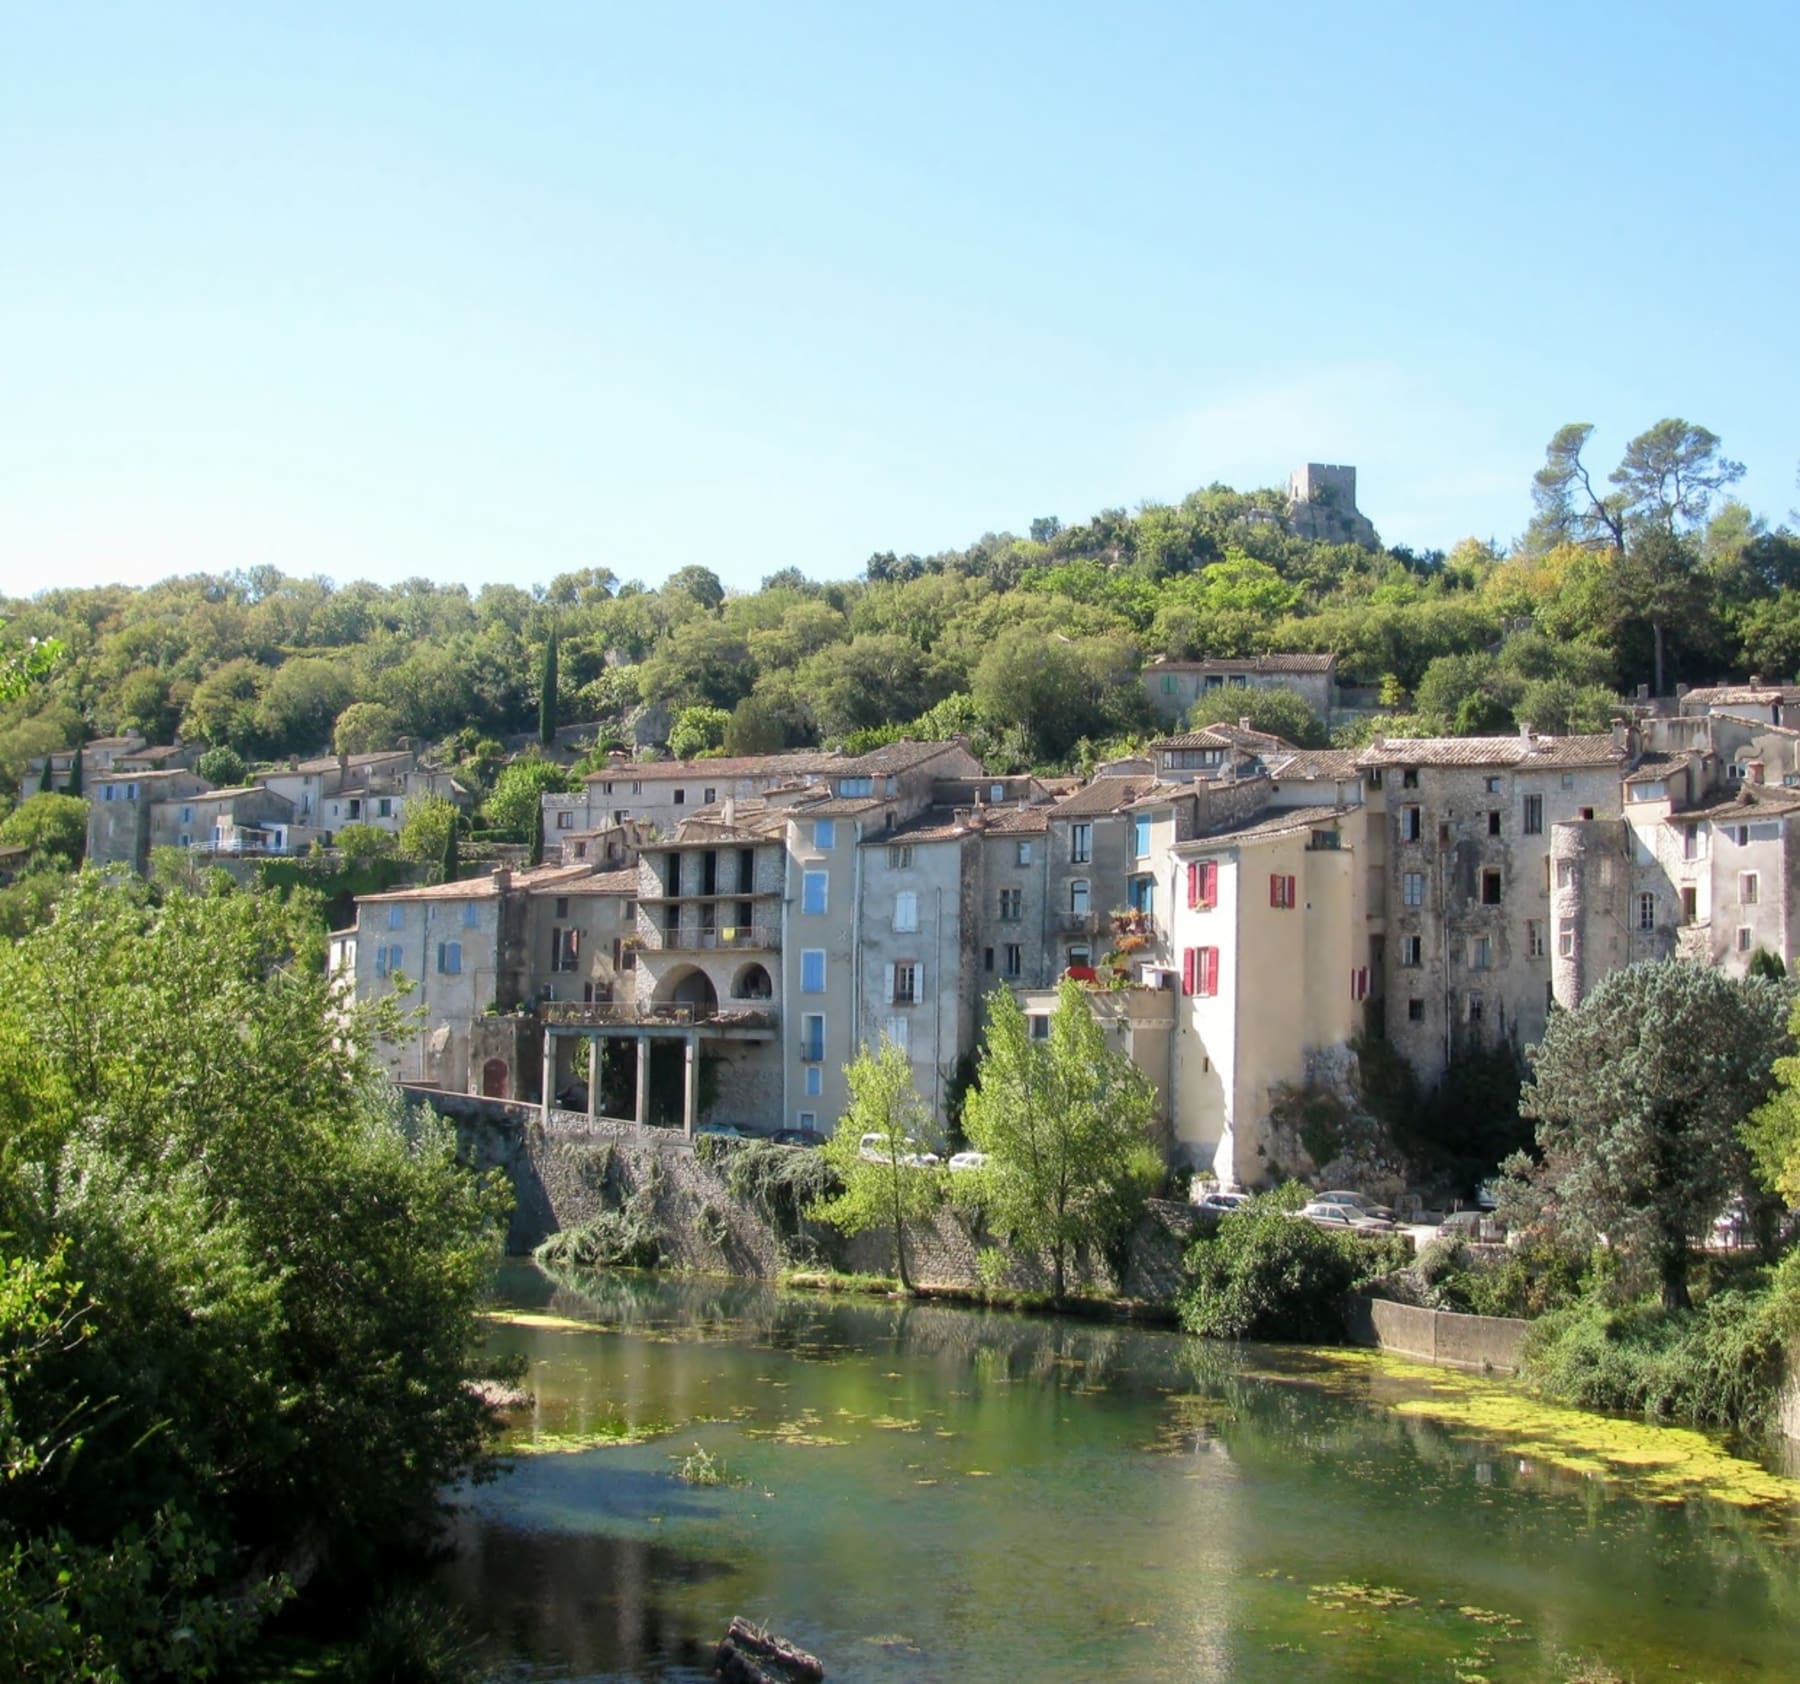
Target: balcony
[[624, 1014], [1078, 923], [695, 938]]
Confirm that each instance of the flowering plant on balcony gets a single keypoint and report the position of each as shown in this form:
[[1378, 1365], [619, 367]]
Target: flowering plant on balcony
[[1128, 921]]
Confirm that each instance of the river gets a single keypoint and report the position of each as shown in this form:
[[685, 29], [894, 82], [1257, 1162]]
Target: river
[[921, 1493]]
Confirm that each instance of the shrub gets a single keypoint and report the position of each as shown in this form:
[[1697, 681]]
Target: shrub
[[1270, 1275]]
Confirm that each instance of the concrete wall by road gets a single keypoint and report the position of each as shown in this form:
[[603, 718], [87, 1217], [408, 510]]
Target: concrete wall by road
[[1492, 1343]]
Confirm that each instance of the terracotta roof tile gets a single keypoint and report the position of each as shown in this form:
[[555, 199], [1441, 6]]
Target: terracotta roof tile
[[1104, 795], [1274, 821], [1254, 663], [1493, 751]]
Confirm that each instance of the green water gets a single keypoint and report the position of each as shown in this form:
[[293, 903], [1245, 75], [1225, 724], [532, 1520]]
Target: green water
[[925, 1494]]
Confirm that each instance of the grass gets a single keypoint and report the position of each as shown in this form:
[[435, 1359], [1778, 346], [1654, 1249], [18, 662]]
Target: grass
[[1014, 1299]]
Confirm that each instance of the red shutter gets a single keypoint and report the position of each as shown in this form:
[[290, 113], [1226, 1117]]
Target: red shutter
[[1193, 884], [1209, 884], [1274, 889], [1209, 963], [1187, 967], [1293, 898]]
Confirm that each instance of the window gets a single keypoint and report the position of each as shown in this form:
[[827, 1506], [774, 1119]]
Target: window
[[900, 857], [856, 786], [812, 1038], [709, 796], [1493, 786], [1080, 954], [1168, 683], [471, 915], [1653, 791], [1493, 821], [681, 798], [898, 1030], [906, 911], [1412, 888], [624, 958], [824, 834], [1140, 836], [1012, 902], [1565, 874], [1015, 959], [384, 808], [1281, 890], [1412, 952], [565, 819], [812, 970], [1078, 897], [1481, 953], [1474, 1008], [1534, 816], [562, 906], [1410, 824], [1693, 842], [387, 959], [1415, 1011], [396, 917], [808, 1119], [1743, 938], [1359, 982], [565, 945], [1203, 884], [1081, 843], [1490, 886], [1409, 777], [1565, 938], [187, 815], [996, 793], [1040, 1026], [1374, 778], [815, 1080], [449, 958], [1690, 908], [1023, 856], [812, 891], [1646, 912], [987, 959], [1747, 888], [1140, 895], [903, 982], [1200, 971], [1534, 938]]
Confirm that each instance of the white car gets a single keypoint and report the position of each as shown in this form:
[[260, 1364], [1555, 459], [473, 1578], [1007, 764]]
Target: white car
[[1223, 1204], [873, 1148], [968, 1160]]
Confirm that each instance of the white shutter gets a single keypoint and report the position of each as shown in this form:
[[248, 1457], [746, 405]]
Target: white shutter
[[919, 983], [890, 985]]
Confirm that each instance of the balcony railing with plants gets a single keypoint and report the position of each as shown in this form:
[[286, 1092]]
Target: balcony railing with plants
[[696, 938], [577, 1014]]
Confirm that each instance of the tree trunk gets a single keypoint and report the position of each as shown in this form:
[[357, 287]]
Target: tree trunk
[[1056, 1273], [1656, 633], [1673, 1265], [899, 1234]]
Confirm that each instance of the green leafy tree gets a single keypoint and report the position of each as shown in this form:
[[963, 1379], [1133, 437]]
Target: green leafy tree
[[366, 728], [698, 731], [1066, 1124], [883, 1189], [223, 766], [756, 728], [53, 827], [424, 824], [1773, 1132], [547, 680], [518, 795], [1276, 709], [357, 841], [1639, 1095], [223, 706], [700, 583], [298, 703], [26, 664], [76, 768]]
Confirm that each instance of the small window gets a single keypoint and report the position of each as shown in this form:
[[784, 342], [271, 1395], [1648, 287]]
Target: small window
[[471, 915], [808, 1119], [813, 892], [1374, 778], [815, 1081], [906, 911], [681, 798], [1565, 938], [1565, 874], [1534, 938], [1078, 897], [565, 819], [1689, 904], [900, 857], [1415, 1011], [1023, 855], [1409, 778], [1015, 959], [1412, 952], [1743, 938], [1490, 886], [1410, 824], [565, 949], [1282, 891], [1200, 971], [1140, 836], [812, 1038], [1493, 786], [812, 970], [449, 957], [1493, 821], [1481, 953], [1568, 780], [1412, 888], [906, 983], [1747, 888], [1646, 912], [1081, 843], [1476, 1008], [1040, 1026], [1012, 902], [1533, 824], [1080, 954], [562, 906], [824, 834], [709, 796], [987, 959], [996, 792]]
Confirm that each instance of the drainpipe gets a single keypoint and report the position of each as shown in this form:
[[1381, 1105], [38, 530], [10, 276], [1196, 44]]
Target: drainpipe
[[787, 1047]]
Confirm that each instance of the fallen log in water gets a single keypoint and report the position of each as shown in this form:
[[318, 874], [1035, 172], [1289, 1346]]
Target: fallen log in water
[[749, 1655]]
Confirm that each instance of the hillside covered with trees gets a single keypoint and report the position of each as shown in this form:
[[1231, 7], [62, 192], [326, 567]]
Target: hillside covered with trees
[[1030, 645]]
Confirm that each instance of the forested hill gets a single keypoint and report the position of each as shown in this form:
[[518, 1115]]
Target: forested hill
[[1030, 645]]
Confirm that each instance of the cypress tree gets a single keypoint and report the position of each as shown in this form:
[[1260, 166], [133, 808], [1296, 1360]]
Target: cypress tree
[[537, 833], [75, 769], [46, 783], [547, 693], [451, 866]]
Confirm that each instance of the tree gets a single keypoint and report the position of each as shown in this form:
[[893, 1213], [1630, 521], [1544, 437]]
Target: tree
[[424, 823], [450, 861], [700, 583], [1276, 709], [53, 827], [883, 1189], [698, 731], [547, 692], [25, 665], [366, 728], [358, 841], [1638, 1095], [755, 728], [222, 766], [518, 795], [298, 703], [222, 708], [1066, 1125]]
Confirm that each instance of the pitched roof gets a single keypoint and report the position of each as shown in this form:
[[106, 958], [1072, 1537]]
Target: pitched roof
[[1224, 736], [1104, 795], [895, 757], [1272, 821], [1338, 763], [1741, 802], [623, 882], [1760, 694], [935, 824], [724, 766], [1516, 751], [329, 762], [1253, 663]]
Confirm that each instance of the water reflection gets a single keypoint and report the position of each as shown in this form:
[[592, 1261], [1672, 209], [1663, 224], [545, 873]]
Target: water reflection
[[932, 1493]]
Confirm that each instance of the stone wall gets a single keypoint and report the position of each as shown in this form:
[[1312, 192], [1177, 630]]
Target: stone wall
[[1488, 1343]]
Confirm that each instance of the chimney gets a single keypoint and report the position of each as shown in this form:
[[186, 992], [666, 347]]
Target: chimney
[[1378, 742], [729, 811], [1528, 737], [1244, 723], [1624, 739], [1680, 691], [1756, 681], [502, 878]]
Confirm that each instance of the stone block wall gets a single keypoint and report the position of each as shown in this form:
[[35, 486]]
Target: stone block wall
[[1479, 1342]]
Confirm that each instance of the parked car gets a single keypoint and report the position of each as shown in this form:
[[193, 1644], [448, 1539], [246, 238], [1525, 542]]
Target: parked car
[[1487, 1195], [1355, 1201], [797, 1137], [1345, 1218], [873, 1148], [968, 1160], [1222, 1204], [725, 1131]]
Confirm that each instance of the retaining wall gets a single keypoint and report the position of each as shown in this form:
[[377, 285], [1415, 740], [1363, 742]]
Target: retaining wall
[[1488, 1343]]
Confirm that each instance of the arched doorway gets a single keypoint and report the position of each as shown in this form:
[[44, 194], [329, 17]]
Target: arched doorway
[[494, 1079], [752, 983]]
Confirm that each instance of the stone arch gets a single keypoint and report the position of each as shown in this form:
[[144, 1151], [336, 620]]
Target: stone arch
[[752, 983], [687, 985]]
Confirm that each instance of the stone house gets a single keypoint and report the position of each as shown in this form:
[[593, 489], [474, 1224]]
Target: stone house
[[1174, 686]]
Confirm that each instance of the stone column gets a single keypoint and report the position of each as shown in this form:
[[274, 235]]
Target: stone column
[[690, 1085], [593, 1075], [546, 1093], [643, 1081]]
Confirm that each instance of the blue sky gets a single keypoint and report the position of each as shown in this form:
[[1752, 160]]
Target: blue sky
[[486, 293]]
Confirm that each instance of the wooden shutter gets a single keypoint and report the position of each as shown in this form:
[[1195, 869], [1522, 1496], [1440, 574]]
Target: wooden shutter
[[1209, 883], [1193, 884], [1274, 889], [1292, 898], [1188, 965], [1209, 970]]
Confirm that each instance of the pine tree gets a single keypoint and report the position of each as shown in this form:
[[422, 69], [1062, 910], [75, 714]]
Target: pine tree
[[46, 784], [547, 693]]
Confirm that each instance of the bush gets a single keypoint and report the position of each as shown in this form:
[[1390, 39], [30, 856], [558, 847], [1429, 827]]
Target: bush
[[1270, 1275]]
